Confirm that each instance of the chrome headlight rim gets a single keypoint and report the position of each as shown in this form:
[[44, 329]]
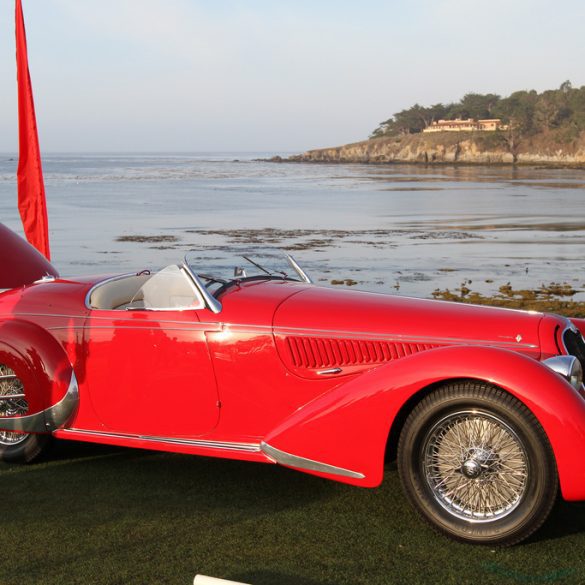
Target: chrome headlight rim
[[569, 367]]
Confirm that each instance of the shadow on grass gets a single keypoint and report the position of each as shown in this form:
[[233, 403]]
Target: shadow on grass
[[566, 518], [264, 488], [167, 481], [146, 514]]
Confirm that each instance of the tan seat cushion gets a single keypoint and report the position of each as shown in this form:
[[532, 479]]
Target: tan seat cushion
[[118, 294]]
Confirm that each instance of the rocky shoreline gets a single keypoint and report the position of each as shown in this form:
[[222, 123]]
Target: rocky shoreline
[[554, 297], [451, 148]]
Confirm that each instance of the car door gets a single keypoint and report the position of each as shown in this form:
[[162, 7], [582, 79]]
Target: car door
[[148, 369]]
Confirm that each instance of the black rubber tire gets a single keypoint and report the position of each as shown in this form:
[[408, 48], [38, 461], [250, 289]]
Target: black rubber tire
[[466, 403], [27, 451]]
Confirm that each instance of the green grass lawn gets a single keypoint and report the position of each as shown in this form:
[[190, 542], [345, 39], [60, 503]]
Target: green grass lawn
[[101, 515]]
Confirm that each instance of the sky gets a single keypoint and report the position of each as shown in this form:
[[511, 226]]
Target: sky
[[280, 75]]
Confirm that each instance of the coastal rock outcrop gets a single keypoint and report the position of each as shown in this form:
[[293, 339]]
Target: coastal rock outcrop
[[451, 147]]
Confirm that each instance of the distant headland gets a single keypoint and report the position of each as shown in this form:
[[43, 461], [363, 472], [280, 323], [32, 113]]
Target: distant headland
[[526, 127]]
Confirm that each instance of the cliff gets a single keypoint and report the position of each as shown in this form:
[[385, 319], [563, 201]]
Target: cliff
[[451, 147]]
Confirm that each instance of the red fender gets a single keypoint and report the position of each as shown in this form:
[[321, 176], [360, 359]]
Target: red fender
[[348, 427], [21, 262], [39, 361]]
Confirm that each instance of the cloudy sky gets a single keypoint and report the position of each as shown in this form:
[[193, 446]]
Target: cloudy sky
[[259, 75]]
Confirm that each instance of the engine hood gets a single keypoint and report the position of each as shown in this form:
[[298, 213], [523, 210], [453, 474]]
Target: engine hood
[[411, 324], [20, 263]]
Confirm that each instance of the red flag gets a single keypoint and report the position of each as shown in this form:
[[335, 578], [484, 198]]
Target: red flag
[[31, 189]]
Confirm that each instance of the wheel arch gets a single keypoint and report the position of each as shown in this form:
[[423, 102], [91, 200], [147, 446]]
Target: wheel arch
[[402, 415], [411, 403], [41, 363], [353, 426]]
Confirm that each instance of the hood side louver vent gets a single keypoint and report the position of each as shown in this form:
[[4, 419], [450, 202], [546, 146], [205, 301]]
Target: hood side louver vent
[[317, 352]]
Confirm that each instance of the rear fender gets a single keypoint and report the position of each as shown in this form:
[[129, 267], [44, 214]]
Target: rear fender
[[47, 376], [347, 428]]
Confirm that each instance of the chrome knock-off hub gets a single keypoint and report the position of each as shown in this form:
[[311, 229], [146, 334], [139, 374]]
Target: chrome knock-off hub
[[478, 461]]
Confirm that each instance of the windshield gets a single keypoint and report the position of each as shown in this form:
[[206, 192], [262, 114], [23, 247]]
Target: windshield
[[220, 268], [168, 289]]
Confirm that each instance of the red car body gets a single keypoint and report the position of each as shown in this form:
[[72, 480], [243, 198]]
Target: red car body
[[314, 378]]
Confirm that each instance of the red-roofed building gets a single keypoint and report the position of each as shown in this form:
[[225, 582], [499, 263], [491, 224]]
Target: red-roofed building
[[489, 125]]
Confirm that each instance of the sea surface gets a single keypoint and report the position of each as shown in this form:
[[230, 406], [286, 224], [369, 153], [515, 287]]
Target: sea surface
[[403, 229]]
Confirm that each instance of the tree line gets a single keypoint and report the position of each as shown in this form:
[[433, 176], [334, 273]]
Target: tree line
[[525, 112]]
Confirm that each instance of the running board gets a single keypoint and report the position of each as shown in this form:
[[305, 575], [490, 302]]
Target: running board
[[201, 444]]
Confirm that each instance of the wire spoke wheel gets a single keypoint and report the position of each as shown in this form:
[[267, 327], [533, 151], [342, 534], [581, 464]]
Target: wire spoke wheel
[[477, 465], [11, 385], [17, 447]]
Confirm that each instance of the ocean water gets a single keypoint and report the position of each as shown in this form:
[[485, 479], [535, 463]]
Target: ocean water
[[402, 229]]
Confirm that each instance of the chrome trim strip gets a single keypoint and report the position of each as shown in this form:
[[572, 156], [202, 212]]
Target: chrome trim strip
[[119, 316], [328, 372], [290, 460], [57, 315], [248, 328], [369, 336], [221, 445], [195, 325], [254, 328], [46, 278], [100, 283], [396, 337], [138, 328], [50, 419], [194, 288], [303, 275], [158, 309]]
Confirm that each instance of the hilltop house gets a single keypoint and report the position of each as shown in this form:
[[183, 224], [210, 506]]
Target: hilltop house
[[468, 125]]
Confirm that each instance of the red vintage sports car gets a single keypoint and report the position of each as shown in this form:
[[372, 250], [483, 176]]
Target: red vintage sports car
[[483, 408]]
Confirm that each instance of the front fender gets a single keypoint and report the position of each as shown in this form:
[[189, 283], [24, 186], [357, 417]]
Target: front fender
[[47, 376], [347, 428]]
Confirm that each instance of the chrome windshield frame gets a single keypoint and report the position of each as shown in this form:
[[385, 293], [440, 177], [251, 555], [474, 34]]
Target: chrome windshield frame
[[212, 303], [295, 265]]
